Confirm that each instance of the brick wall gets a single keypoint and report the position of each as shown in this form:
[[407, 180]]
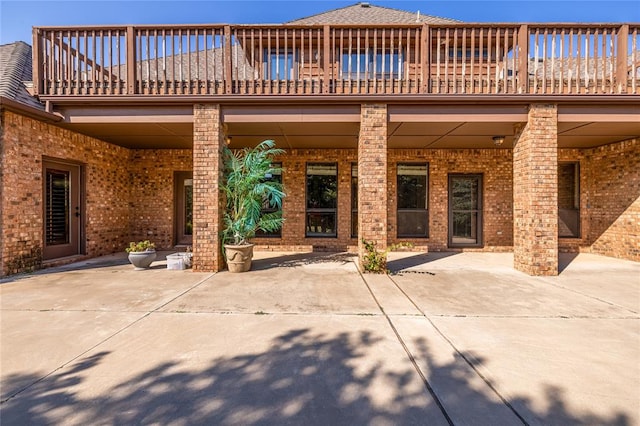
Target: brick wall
[[130, 193], [494, 165], [2, 207], [294, 209], [613, 202], [152, 208], [25, 141], [372, 179], [609, 200], [208, 141], [535, 195]]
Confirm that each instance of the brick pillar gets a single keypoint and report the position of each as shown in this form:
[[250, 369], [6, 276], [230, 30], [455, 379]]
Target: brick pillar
[[372, 177], [208, 141], [535, 192]]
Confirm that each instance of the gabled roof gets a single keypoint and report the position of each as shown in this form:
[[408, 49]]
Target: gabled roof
[[365, 13], [15, 71]]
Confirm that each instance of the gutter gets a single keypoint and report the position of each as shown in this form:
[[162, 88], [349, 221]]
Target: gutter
[[29, 111], [630, 99]]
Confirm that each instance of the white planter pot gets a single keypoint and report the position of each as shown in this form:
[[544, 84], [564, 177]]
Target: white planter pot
[[142, 259]]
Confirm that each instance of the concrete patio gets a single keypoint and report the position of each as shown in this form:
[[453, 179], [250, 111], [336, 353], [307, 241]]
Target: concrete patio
[[306, 339]]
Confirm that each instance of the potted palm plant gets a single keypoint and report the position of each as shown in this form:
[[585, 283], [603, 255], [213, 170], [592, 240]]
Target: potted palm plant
[[247, 190]]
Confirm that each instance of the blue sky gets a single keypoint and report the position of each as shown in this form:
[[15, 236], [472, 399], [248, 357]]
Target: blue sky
[[17, 17]]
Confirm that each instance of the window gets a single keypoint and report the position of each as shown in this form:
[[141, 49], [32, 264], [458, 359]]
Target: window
[[354, 200], [280, 64], [569, 200], [57, 207], [322, 200], [412, 214], [266, 208], [467, 53], [360, 65]]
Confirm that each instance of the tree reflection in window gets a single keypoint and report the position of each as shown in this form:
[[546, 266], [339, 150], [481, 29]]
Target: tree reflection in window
[[322, 199], [266, 208], [412, 214]]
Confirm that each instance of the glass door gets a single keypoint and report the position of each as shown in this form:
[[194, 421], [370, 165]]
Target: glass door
[[184, 208], [465, 210], [62, 210]]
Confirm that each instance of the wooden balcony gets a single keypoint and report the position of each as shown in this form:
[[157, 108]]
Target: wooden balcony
[[483, 59]]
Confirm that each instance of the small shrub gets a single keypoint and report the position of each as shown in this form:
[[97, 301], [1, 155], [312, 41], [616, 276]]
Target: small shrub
[[375, 261]]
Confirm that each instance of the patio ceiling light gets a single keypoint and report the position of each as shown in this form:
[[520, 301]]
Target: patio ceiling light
[[498, 140]]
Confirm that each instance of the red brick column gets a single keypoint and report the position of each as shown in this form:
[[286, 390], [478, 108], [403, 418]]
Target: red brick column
[[208, 141], [372, 177], [535, 193]]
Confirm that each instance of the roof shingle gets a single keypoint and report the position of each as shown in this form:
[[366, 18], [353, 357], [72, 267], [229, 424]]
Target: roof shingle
[[365, 13], [15, 71]]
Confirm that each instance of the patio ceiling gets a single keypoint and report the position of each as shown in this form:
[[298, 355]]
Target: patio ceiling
[[311, 127]]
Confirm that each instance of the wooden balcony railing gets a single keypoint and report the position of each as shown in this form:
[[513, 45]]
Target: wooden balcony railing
[[554, 59]]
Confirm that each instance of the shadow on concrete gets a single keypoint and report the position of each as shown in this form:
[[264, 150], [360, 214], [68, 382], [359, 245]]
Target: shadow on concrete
[[564, 260], [402, 264], [107, 261], [304, 378], [302, 259], [452, 383]]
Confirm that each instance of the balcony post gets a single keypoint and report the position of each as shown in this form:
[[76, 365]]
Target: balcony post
[[425, 59], [131, 61], [326, 56], [622, 59], [523, 59], [37, 55], [227, 58]]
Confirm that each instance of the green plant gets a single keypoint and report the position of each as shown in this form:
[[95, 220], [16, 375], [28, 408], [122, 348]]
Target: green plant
[[247, 191], [140, 246], [375, 261]]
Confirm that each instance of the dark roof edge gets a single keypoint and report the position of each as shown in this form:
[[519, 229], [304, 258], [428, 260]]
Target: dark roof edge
[[19, 107]]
